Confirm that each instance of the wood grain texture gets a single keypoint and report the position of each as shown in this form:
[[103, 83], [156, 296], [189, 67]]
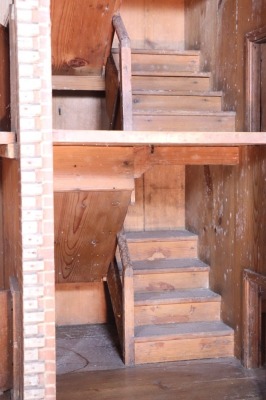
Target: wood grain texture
[[4, 80], [88, 82], [148, 33], [81, 35], [115, 289], [81, 303], [93, 168], [5, 341], [164, 198], [86, 224]]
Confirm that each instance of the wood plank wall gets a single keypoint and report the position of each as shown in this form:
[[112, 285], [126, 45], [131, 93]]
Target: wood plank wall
[[226, 205], [154, 24]]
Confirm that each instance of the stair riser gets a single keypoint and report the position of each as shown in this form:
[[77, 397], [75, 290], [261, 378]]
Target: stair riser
[[184, 349], [162, 250], [158, 62], [171, 281], [184, 123], [175, 313], [189, 103], [170, 84]]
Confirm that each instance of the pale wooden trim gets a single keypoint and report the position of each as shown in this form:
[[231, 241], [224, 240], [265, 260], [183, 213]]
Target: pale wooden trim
[[4, 12], [140, 138], [69, 82], [7, 137], [252, 318]]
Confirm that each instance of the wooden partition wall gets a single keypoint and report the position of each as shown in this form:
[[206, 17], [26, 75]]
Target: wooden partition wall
[[226, 205]]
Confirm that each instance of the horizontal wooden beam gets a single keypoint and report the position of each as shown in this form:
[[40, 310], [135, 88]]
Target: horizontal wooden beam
[[71, 82], [140, 138], [7, 137]]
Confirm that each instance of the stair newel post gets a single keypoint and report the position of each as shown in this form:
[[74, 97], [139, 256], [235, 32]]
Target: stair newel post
[[128, 301], [124, 72]]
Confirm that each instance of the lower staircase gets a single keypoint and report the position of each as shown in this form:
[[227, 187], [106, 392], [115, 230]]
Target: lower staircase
[[176, 315]]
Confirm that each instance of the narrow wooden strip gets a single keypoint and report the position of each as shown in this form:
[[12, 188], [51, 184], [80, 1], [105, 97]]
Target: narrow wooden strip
[[5, 341], [115, 289], [140, 138], [7, 137], [71, 82], [9, 150]]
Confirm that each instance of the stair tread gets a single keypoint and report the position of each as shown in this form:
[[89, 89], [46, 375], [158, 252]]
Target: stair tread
[[156, 112], [177, 330], [198, 93], [141, 236], [162, 52], [170, 74], [166, 265], [176, 296]]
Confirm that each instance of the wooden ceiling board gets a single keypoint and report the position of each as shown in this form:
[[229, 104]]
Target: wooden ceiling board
[[82, 33]]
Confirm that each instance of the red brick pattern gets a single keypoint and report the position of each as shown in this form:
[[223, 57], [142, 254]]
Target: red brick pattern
[[32, 20]]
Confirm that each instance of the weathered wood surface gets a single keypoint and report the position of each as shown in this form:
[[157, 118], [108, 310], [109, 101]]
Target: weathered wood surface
[[120, 138], [93, 168], [5, 341], [88, 82], [128, 300], [147, 32], [82, 33], [181, 380], [81, 303], [254, 284], [112, 90], [86, 224], [4, 76], [124, 73], [116, 295]]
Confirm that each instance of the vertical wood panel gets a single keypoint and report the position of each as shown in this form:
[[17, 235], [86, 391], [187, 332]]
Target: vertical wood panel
[[263, 87], [4, 80], [164, 197], [160, 24], [5, 341]]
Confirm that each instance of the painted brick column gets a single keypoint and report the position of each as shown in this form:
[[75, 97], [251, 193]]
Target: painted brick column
[[33, 39]]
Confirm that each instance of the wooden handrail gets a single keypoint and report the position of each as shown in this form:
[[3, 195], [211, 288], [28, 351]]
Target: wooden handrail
[[128, 300], [253, 282], [125, 72]]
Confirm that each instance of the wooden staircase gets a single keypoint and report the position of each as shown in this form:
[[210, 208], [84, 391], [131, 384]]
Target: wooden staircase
[[170, 93], [176, 315], [171, 314]]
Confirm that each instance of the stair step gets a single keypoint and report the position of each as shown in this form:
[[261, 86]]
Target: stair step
[[183, 341], [187, 101], [176, 296], [176, 306], [171, 84], [166, 275], [156, 61], [184, 122], [161, 244]]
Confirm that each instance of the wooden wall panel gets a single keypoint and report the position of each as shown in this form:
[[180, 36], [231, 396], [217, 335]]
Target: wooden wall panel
[[159, 200], [81, 35], [159, 24], [4, 80], [76, 110], [11, 220], [5, 341], [86, 224], [81, 303], [263, 87], [218, 28]]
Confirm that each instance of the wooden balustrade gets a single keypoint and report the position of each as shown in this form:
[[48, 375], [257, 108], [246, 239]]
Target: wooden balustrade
[[128, 301], [125, 72]]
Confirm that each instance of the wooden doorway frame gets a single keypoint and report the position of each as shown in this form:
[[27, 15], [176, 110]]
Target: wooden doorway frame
[[252, 309], [254, 40]]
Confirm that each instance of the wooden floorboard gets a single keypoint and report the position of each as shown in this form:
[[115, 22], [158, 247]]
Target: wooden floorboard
[[194, 380]]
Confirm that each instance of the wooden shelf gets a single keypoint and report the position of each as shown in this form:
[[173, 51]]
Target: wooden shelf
[[70, 82], [142, 138]]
